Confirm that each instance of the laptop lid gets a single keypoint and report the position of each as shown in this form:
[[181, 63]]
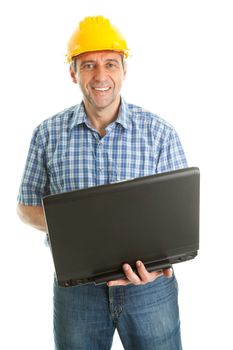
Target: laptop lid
[[93, 231]]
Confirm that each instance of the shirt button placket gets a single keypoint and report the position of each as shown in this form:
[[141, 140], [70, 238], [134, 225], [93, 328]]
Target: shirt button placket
[[100, 163]]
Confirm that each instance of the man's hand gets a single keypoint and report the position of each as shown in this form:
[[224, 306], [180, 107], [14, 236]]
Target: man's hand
[[143, 276]]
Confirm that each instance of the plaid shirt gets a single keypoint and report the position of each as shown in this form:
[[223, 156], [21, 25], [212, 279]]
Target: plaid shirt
[[67, 154]]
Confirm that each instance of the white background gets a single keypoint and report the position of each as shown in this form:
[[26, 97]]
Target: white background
[[181, 69]]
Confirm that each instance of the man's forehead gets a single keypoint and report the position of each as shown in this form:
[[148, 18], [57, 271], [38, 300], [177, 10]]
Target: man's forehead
[[100, 55]]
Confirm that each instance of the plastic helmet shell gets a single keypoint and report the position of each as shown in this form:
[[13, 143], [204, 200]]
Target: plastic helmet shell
[[96, 34]]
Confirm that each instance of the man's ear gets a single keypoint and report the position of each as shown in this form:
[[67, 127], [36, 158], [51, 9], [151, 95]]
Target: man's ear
[[73, 75]]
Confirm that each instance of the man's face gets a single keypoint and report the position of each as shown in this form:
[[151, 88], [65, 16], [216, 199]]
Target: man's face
[[100, 75]]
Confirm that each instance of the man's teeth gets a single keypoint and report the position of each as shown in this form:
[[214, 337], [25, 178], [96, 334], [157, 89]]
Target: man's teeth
[[102, 89]]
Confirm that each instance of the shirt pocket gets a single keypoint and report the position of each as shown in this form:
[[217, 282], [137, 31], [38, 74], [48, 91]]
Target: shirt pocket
[[141, 163]]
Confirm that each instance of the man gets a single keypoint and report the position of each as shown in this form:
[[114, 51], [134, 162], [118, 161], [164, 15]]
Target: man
[[99, 141]]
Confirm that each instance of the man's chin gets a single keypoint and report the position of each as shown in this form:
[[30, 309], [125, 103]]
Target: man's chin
[[101, 105]]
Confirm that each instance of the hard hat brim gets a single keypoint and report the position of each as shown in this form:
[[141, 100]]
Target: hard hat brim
[[70, 57]]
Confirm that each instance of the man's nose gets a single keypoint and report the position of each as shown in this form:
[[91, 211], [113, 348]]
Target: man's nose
[[100, 73]]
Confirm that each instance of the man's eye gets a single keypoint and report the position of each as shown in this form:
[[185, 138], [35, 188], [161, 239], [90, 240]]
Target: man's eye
[[110, 65], [88, 66]]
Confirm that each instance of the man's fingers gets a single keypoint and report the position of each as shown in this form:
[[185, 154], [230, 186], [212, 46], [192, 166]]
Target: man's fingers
[[142, 271], [119, 282], [131, 276], [143, 275], [168, 272]]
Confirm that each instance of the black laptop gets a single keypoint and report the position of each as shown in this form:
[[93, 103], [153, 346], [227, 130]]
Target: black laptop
[[93, 231]]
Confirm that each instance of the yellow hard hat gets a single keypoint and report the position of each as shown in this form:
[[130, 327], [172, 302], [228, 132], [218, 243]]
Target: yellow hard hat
[[95, 34]]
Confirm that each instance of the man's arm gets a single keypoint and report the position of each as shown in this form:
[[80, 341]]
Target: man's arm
[[33, 216]]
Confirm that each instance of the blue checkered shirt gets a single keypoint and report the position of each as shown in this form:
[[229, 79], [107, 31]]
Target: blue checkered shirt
[[67, 153]]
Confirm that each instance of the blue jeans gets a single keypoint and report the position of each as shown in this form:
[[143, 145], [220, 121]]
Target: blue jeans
[[146, 317]]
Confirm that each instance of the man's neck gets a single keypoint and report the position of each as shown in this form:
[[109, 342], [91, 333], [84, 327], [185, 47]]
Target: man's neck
[[100, 119]]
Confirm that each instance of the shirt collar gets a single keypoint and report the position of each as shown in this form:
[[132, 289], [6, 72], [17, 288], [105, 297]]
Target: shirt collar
[[79, 116], [124, 115]]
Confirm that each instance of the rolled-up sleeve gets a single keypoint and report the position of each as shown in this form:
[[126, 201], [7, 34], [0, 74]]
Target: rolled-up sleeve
[[172, 155], [35, 180]]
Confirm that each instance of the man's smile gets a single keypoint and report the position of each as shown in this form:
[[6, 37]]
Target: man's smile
[[102, 88]]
